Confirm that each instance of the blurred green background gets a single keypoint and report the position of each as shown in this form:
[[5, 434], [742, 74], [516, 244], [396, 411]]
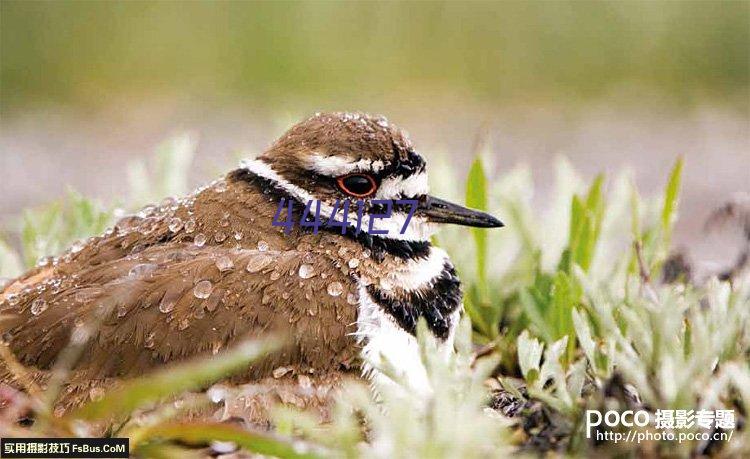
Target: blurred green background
[[86, 87], [93, 53]]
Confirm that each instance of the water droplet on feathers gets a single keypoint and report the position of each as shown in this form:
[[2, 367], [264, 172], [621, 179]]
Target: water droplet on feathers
[[224, 263], [262, 245], [87, 294], [200, 239], [167, 305], [335, 288], [353, 263], [352, 298], [141, 270], [258, 262], [306, 271], [190, 226], [203, 289], [175, 224], [220, 236], [38, 307], [43, 261], [76, 247]]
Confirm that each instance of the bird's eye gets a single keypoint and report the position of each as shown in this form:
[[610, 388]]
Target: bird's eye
[[357, 185]]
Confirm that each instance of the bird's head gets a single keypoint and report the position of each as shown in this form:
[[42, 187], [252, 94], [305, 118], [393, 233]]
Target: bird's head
[[357, 157]]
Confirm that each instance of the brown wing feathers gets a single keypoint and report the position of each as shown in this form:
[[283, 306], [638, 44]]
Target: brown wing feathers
[[162, 295]]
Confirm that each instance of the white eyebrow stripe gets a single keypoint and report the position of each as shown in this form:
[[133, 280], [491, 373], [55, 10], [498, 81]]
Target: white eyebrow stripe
[[335, 166], [412, 186]]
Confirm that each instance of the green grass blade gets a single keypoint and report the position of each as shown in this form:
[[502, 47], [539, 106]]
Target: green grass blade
[[203, 433], [476, 198], [671, 198], [175, 379]]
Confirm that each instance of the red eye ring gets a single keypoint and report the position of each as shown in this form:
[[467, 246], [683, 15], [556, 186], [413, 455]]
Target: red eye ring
[[357, 188]]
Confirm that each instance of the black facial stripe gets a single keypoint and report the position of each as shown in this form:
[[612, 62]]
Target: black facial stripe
[[413, 164], [435, 303], [380, 246]]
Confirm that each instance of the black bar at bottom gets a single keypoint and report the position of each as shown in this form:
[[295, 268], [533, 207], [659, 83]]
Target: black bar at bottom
[[82, 448]]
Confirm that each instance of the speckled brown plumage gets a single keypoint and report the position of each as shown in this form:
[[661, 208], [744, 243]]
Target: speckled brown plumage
[[193, 275], [143, 275]]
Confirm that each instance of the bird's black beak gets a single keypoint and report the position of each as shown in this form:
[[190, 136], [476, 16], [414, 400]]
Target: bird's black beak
[[437, 210]]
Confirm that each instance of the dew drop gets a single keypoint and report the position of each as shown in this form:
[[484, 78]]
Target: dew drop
[[353, 263], [220, 236], [76, 247], [262, 245], [168, 202], [352, 298], [224, 223], [44, 261], [335, 288], [141, 270], [190, 226], [87, 294], [13, 299], [38, 306], [166, 306], [257, 263], [203, 289], [324, 275], [224, 263], [175, 224], [238, 236], [200, 239], [306, 271], [122, 311]]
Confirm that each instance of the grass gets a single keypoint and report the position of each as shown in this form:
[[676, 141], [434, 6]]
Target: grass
[[567, 313]]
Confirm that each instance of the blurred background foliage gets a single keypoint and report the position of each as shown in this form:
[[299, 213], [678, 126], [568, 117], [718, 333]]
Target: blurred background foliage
[[94, 53]]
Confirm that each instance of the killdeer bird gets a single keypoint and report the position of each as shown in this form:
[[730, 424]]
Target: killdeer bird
[[193, 275]]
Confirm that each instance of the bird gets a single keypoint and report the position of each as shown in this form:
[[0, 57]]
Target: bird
[[190, 276]]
